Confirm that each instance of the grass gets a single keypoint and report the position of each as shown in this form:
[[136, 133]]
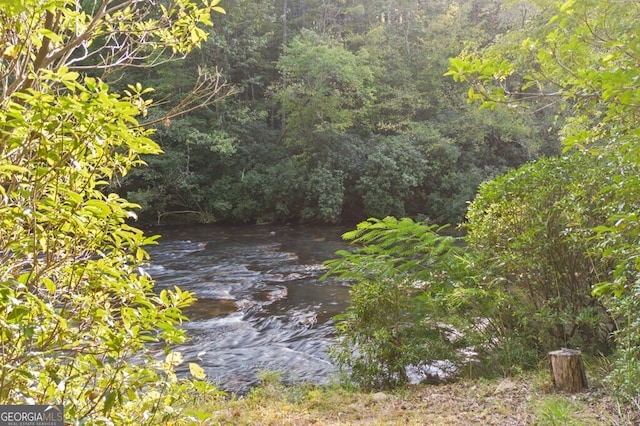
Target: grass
[[528, 399]]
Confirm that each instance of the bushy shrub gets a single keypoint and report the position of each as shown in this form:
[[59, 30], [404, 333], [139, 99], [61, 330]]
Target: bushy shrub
[[80, 322], [401, 272], [393, 174], [530, 235], [550, 261], [617, 243]]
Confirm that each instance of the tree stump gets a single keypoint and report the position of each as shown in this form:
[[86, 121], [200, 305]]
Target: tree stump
[[567, 370]]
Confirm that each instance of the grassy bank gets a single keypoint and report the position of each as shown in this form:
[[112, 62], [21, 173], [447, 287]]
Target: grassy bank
[[528, 399]]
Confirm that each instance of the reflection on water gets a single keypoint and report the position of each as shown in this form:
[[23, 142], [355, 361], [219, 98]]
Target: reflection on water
[[260, 305]]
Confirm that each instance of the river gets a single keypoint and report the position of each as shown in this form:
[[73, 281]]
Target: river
[[260, 304]]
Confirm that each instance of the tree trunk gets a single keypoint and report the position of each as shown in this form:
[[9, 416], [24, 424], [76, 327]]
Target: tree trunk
[[285, 42], [567, 370]]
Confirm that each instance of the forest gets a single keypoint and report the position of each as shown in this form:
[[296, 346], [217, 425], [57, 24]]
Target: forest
[[514, 122], [334, 111]]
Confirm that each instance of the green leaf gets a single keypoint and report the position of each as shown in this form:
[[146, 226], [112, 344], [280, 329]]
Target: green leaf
[[13, 169], [109, 400], [197, 371], [50, 285], [50, 34]]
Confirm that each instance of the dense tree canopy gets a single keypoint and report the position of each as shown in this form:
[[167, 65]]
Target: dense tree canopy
[[326, 95]]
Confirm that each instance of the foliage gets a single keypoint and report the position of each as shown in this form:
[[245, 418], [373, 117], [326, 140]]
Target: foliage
[[325, 195], [325, 87], [626, 372], [327, 90], [169, 185], [401, 272], [584, 57], [393, 170], [529, 233], [340, 177], [80, 323]]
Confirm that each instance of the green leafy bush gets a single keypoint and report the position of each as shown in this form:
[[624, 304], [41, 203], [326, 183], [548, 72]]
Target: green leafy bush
[[617, 243], [324, 195], [80, 322], [394, 170], [557, 49], [401, 272], [530, 234]]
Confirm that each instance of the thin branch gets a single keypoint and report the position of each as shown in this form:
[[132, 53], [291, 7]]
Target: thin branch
[[86, 34], [206, 91]]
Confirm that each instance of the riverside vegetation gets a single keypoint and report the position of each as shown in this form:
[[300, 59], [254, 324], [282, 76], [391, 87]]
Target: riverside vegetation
[[526, 399], [352, 118]]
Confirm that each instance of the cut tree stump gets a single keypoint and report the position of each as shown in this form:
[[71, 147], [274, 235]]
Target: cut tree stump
[[567, 370]]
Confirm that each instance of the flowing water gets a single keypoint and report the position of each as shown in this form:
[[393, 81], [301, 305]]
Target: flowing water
[[261, 306]]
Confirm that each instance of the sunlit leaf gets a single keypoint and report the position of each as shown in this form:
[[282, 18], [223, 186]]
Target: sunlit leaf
[[174, 358], [197, 371]]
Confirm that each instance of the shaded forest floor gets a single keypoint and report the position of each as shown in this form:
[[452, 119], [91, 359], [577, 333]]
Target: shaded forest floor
[[528, 399]]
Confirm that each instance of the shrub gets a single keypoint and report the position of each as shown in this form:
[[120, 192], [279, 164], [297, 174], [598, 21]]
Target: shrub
[[401, 272], [80, 322], [530, 233]]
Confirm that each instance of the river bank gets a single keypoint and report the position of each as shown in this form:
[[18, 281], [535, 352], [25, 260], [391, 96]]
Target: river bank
[[528, 399], [261, 308]]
